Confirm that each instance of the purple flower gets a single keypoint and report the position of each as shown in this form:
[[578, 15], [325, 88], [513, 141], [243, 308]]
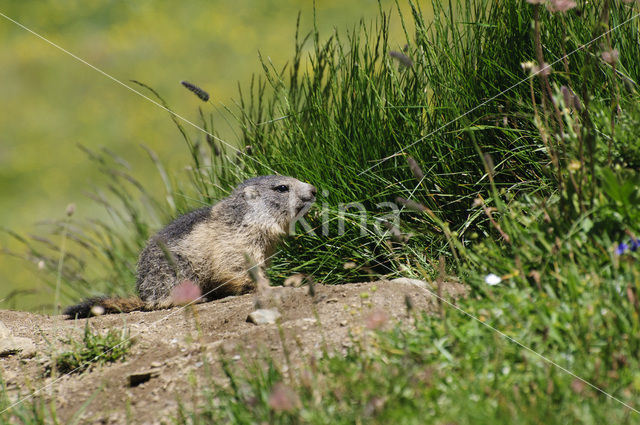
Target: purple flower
[[635, 244], [621, 248]]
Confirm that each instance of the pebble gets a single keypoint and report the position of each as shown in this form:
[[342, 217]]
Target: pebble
[[407, 281], [263, 316]]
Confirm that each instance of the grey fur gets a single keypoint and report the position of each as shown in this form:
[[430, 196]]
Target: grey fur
[[209, 246]]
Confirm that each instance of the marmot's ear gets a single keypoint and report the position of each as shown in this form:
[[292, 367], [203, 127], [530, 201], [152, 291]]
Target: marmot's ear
[[250, 192]]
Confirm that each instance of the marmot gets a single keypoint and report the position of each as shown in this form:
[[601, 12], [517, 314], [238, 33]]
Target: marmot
[[210, 246]]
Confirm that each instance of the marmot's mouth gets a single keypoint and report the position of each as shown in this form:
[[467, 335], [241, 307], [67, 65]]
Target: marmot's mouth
[[301, 210]]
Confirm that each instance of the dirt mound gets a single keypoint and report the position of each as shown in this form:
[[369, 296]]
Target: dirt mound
[[169, 345]]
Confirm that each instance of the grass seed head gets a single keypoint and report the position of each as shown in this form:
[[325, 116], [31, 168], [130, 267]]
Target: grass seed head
[[415, 169], [403, 59], [71, 208], [203, 95]]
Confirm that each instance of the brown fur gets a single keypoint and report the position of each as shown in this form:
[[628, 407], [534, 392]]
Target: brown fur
[[105, 305], [122, 305]]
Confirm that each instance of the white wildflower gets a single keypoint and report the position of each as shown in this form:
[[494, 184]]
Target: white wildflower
[[492, 279]]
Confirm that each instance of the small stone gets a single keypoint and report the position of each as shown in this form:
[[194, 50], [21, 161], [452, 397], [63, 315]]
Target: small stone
[[17, 345], [343, 323], [156, 364], [263, 316], [406, 281], [9, 377]]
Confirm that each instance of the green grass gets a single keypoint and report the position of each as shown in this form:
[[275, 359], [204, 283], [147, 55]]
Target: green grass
[[533, 185], [94, 349], [34, 411], [556, 192], [452, 371], [34, 408]]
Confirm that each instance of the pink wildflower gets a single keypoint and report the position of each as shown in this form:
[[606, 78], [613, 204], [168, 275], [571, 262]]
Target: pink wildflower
[[611, 56], [561, 5], [185, 293]]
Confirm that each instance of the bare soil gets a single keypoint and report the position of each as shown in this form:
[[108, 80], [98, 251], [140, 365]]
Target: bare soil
[[175, 346]]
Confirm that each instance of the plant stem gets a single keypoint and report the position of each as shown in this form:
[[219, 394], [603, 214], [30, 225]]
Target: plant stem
[[63, 250]]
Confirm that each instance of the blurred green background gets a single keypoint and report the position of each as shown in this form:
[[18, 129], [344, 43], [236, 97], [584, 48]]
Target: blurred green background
[[50, 102]]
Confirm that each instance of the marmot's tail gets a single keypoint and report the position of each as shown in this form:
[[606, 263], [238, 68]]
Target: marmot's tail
[[104, 305]]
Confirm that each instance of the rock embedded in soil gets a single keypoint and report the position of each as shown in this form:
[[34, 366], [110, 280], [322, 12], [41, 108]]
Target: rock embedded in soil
[[263, 316], [10, 345], [17, 345]]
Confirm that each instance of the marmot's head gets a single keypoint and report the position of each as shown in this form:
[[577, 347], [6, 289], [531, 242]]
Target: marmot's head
[[276, 202]]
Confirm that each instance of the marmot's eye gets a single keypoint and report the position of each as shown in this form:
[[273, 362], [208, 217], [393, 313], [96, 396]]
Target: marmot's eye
[[282, 188]]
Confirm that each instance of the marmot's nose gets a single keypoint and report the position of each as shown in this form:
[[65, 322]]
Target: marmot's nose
[[310, 195]]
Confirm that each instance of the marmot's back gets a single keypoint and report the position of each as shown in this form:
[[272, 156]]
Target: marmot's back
[[155, 261]]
